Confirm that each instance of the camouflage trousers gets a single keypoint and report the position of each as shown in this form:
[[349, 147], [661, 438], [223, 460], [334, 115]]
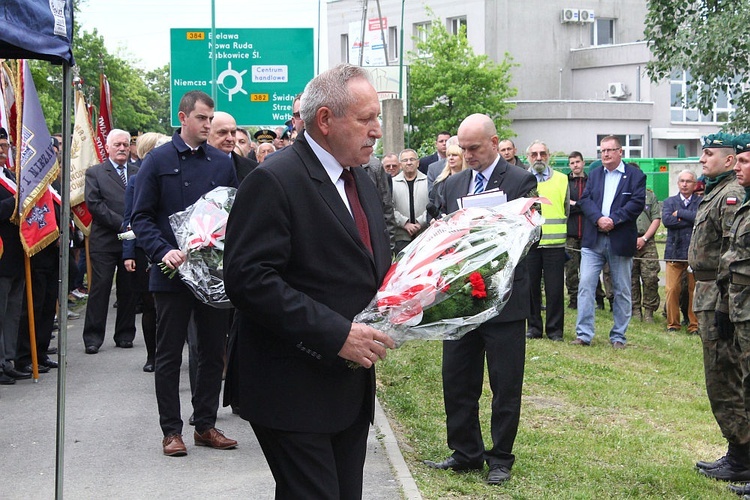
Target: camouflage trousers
[[724, 376], [646, 273]]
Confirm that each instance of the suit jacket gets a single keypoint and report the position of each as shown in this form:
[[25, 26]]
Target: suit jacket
[[242, 165], [105, 198], [300, 273], [516, 183], [630, 198], [425, 161], [680, 227], [11, 262], [433, 170]]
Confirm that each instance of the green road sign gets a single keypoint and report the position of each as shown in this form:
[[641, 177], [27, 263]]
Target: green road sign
[[258, 71]]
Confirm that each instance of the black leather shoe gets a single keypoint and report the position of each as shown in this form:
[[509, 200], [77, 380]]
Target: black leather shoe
[[728, 471], [498, 474], [533, 335], [452, 463], [124, 344], [555, 338], [148, 367], [91, 349], [18, 374], [30, 369], [49, 363], [711, 465], [6, 379], [52, 350]]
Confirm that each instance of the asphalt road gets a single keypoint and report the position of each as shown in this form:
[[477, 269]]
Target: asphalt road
[[112, 439]]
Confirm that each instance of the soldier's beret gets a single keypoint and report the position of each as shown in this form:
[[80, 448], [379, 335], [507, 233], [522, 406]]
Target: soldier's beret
[[742, 143], [718, 140]]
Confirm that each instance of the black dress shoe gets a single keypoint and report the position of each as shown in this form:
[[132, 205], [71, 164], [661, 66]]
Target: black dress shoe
[[498, 474], [452, 463], [148, 367], [40, 367], [125, 344], [533, 335], [91, 349], [6, 379], [18, 374], [49, 363]]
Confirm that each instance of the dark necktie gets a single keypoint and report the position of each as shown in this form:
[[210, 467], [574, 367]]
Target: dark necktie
[[687, 202], [479, 183], [360, 219], [121, 171]]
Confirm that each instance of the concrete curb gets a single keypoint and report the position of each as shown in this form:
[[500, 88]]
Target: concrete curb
[[400, 469]]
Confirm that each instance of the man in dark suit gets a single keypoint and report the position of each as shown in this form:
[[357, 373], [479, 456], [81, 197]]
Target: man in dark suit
[[105, 198], [440, 146], [502, 339], [223, 136], [308, 248], [615, 195]]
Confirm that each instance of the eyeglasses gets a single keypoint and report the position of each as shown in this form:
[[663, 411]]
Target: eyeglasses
[[607, 151], [4, 145], [542, 154], [390, 166]]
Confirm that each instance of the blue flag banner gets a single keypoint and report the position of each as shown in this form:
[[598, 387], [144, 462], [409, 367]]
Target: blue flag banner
[[37, 29]]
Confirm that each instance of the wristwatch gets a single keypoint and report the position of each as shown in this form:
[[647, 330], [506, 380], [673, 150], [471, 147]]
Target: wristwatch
[[645, 240]]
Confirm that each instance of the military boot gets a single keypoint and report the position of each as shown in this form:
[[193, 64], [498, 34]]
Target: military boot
[[648, 316], [711, 465], [736, 467]]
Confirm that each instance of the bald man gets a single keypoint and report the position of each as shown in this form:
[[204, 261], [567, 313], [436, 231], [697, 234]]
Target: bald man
[[223, 136]]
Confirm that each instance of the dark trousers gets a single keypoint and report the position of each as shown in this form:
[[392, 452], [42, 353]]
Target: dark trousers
[[549, 262], [103, 265], [148, 315], [174, 311], [316, 466], [44, 285], [504, 345]]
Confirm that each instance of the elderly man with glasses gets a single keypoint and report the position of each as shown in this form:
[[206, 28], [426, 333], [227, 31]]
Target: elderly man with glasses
[[614, 197]]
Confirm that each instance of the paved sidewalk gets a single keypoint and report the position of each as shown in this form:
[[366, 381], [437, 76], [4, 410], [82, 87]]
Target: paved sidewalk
[[113, 440]]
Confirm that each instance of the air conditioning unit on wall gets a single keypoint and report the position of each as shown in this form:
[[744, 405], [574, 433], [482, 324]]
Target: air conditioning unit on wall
[[617, 90], [569, 16], [587, 16]]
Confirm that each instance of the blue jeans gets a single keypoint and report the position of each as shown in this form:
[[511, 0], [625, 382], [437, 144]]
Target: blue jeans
[[592, 262]]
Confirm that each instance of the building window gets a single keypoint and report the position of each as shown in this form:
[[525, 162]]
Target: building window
[[632, 145], [679, 84], [420, 33], [345, 48], [393, 43], [455, 23], [603, 32]]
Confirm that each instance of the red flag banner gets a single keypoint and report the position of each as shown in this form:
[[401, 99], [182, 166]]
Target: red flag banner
[[104, 122], [83, 154], [36, 170]]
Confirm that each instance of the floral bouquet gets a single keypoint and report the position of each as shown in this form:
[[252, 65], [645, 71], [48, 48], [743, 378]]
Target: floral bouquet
[[456, 275], [200, 231]]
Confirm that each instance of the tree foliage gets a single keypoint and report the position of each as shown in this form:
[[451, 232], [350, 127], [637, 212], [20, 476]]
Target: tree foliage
[[710, 40], [449, 82], [140, 100]]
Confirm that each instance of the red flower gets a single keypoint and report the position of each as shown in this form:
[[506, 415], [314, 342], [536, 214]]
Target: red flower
[[478, 289]]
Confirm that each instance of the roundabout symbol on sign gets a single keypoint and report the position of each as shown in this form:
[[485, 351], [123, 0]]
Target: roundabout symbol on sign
[[229, 72]]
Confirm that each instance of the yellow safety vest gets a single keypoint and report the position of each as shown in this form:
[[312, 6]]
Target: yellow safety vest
[[555, 227]]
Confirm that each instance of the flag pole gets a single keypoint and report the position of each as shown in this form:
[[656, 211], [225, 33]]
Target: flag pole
[[30, 313]]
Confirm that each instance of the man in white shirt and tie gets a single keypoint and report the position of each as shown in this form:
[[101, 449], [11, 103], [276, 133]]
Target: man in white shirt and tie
[[105, 198], [501, 340]]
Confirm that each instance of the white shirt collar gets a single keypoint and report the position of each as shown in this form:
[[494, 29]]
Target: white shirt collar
[[331, 164]]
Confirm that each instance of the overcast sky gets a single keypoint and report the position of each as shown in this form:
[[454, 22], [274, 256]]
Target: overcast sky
[[139, 29]]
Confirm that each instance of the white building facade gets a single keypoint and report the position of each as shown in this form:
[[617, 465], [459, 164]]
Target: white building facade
[[580, 74]]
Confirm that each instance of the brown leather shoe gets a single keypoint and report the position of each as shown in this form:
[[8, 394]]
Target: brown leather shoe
[[580, 341], [173, 446], [214, 438], [618, 345]]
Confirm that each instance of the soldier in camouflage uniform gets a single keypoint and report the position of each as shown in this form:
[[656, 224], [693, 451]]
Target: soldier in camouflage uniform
[[646, 261], [721, 354], [734, 273]]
